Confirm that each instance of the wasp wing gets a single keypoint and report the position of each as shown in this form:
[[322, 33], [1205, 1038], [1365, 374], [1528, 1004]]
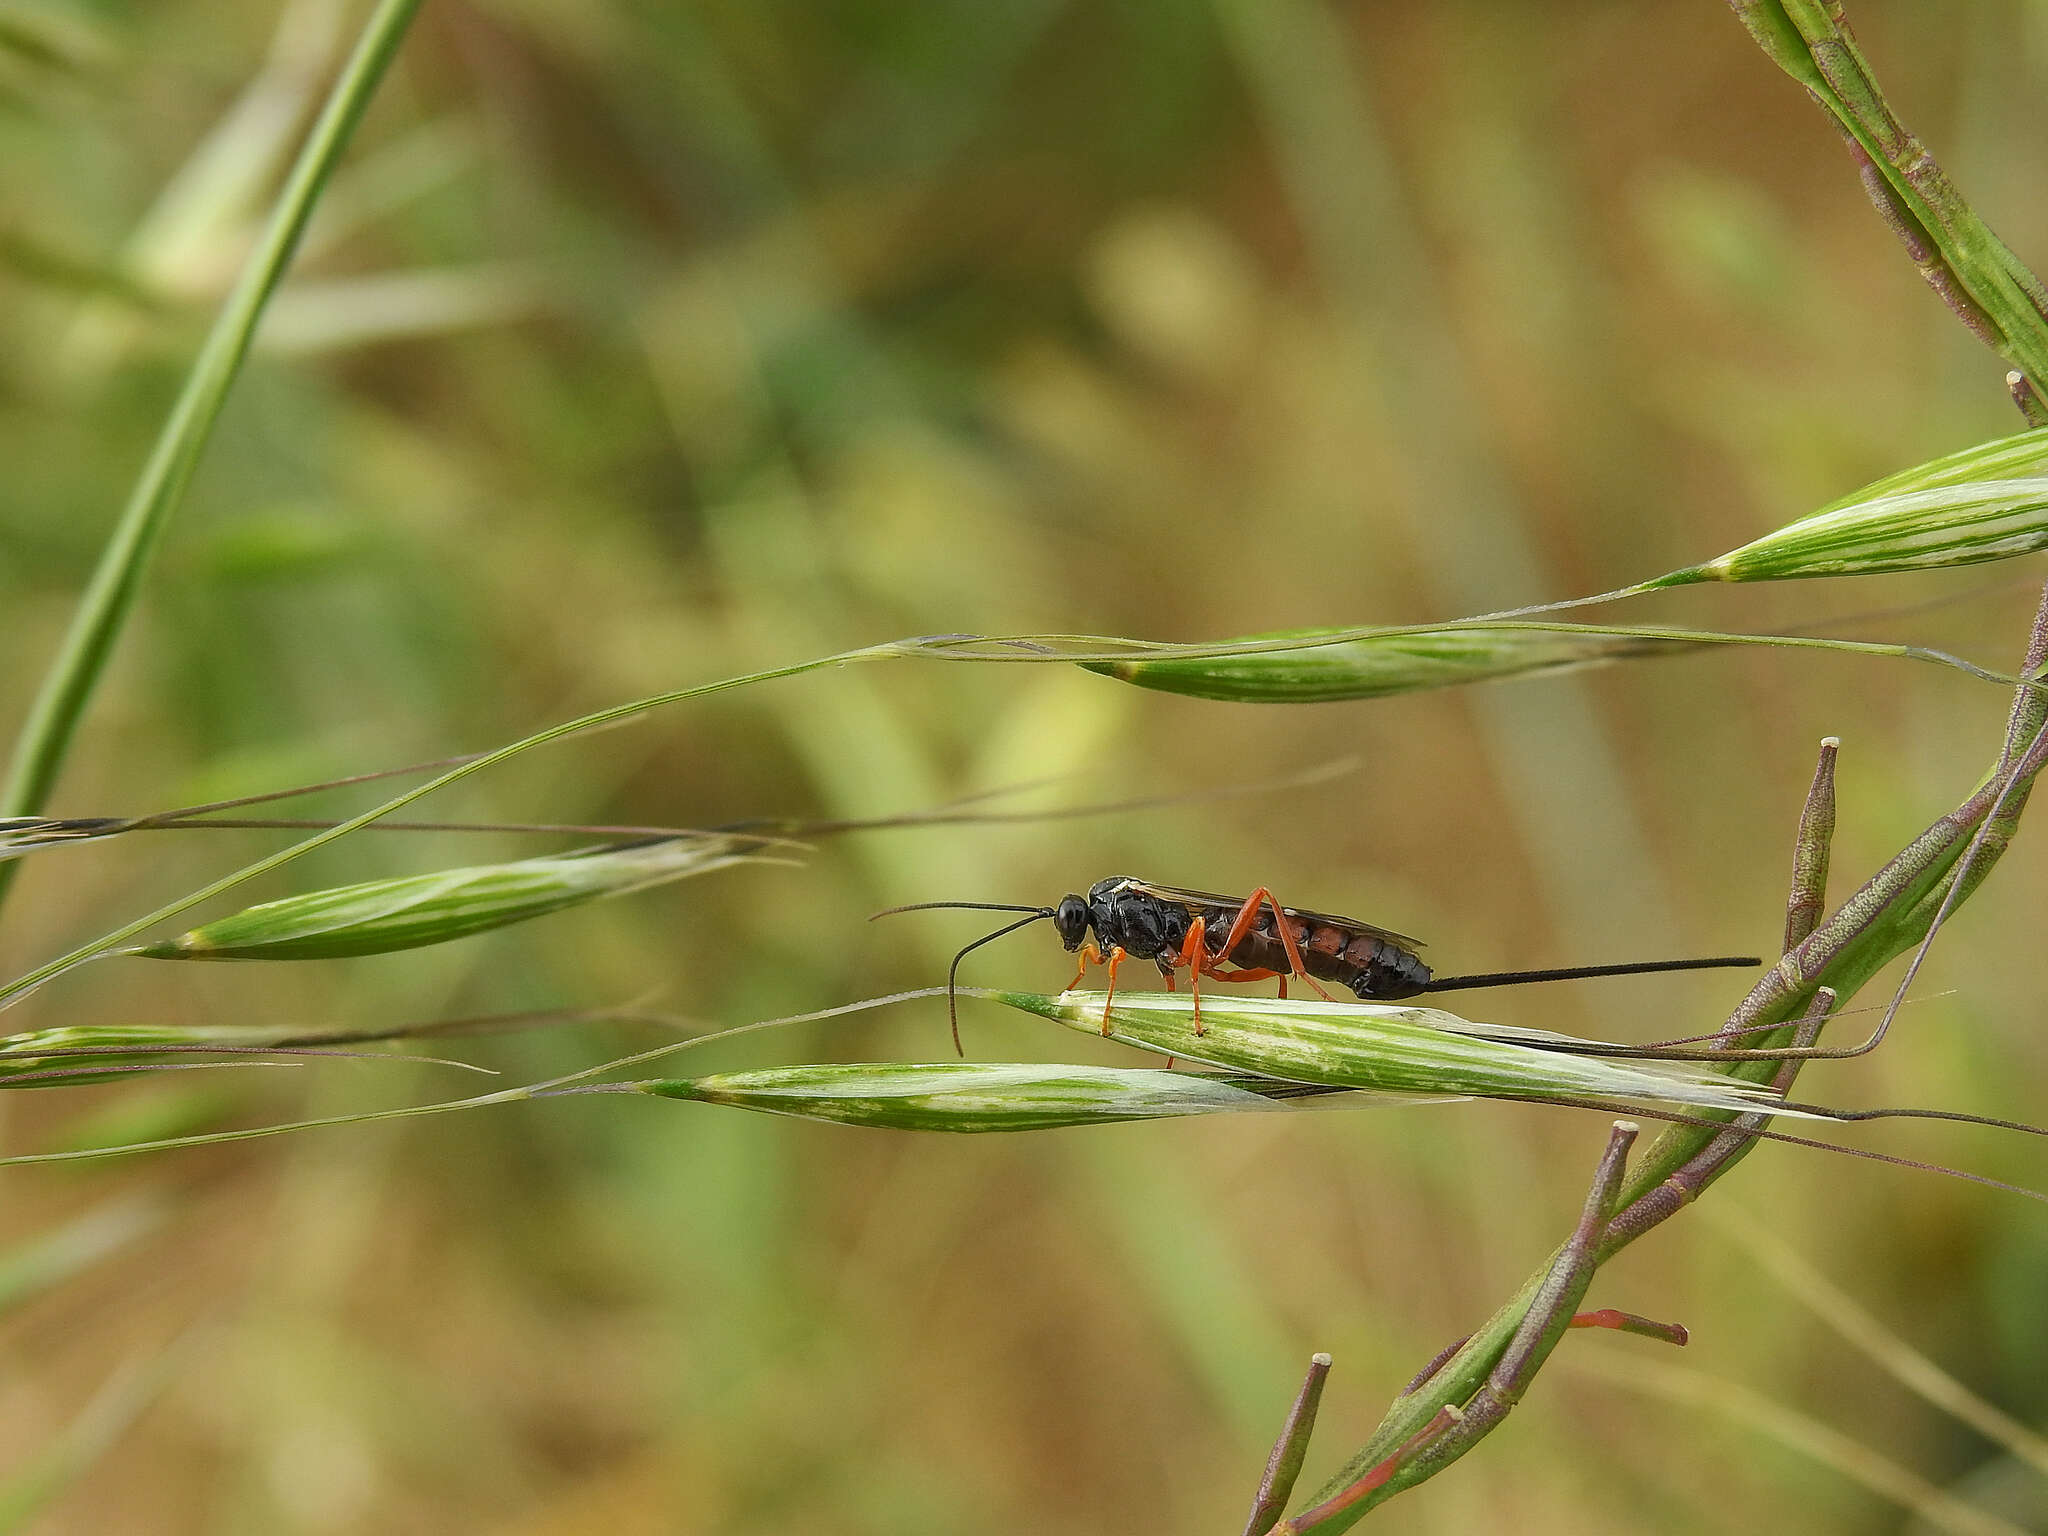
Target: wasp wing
[[1210, 902]]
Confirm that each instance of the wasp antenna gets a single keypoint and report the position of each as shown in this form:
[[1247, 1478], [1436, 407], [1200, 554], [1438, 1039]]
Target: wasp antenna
[[967, 906], [1038, 914]]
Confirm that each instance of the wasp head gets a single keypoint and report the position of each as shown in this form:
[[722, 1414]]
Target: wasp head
[[1070, 917]]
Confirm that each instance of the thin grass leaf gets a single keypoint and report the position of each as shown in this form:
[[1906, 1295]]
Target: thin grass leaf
[[1962, 524], [578, 1082], [462, 769], [108, 599], [163, 1109], [955, 647], [379, 916], [23, 835], [73, 1152], [973, 1096], [1389, 1048]]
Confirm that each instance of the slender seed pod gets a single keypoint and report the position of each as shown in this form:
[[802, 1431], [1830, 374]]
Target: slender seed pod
[[379, 916]]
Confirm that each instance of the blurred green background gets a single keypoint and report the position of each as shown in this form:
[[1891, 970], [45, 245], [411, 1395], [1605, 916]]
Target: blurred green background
[[643, 344]]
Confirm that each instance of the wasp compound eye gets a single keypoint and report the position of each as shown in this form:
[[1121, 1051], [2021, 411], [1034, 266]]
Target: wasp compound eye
[[1070, 917]]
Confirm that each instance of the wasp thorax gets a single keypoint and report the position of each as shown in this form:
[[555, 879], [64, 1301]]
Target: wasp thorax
[[1070, 917]]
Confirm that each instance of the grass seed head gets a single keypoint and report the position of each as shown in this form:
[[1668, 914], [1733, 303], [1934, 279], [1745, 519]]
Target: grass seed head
[[972, 1096], [1390, 1049], [1375, 666], [379, 916], [1987, 502]]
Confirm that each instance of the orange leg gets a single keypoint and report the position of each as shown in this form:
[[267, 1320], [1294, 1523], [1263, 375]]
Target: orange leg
[[1243, 925], [1241, 974], [1195, 956], [1116, 958], [1090, 955]]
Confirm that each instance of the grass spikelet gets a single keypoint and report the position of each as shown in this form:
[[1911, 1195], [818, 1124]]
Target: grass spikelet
[[2019, 457], [379, 916], [1376, 665], [973, 1096], [1390, 1049], [1373, 660], [1922, 526]]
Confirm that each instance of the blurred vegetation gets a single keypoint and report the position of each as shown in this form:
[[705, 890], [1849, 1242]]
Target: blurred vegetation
[[639, 345]]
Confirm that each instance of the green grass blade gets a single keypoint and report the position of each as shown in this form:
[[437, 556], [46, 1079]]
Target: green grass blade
[[261, 1132], [108, 599]]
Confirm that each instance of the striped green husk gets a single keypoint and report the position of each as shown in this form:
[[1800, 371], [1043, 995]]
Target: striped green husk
[[38, 1050], [39, 1044], [1374, 666], [27, 1060], [2020, 457], [1389, 1048], [1909, 530], [379, 916], [75, 1055], [973, 1097]]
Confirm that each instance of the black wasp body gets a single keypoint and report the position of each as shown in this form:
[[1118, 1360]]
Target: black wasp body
[[1153, 922], [1122, 918]]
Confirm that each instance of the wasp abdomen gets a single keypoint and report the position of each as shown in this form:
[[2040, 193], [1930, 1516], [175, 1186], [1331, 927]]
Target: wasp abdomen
[[1370, 966], [1383, 971]]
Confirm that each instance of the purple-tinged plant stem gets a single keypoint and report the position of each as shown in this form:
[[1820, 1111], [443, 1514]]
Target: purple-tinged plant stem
[[1289, 1451], [1888, 915], [1975, 274], [1810, 850], [2027, 398]]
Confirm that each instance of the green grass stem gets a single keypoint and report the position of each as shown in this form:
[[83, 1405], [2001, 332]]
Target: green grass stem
[[110, 596]]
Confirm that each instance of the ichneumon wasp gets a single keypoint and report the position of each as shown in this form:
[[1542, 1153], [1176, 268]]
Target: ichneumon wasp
[[1200, 932]]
